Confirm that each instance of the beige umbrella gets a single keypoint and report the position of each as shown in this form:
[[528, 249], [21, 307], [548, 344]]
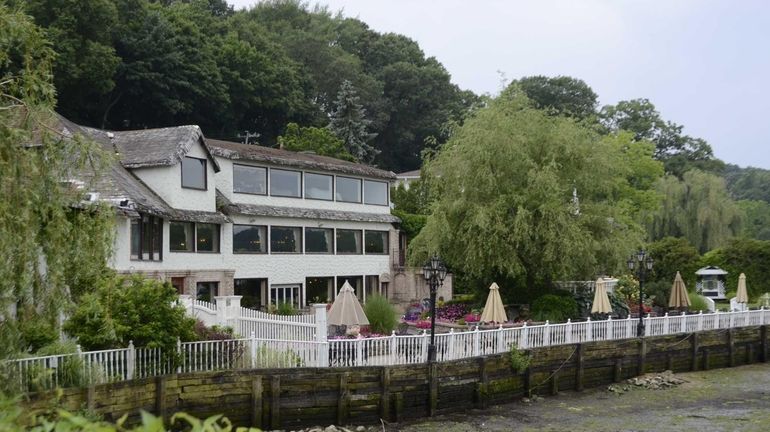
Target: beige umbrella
[[346, 310], [494, 310], [601, 300], [678, 297], [742, 296]]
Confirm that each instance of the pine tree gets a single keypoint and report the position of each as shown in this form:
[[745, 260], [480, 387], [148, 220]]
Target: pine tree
[[349, 123]]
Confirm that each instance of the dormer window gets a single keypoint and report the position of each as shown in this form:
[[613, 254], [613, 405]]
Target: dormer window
[[194, 173]]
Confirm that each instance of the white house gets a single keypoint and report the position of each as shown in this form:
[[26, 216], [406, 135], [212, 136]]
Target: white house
[[217, 218]]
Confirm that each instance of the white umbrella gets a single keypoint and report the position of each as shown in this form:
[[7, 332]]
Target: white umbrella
[[742, 296], [493, 309], [678, 297], [346, 310], [601, 300]]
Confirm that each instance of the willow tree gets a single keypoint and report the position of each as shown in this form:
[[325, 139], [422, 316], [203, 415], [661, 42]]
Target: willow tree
[[52, 245], [697, 208], [536, 198]]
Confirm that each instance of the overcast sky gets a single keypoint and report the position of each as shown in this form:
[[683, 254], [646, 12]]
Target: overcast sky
[[705, 64]]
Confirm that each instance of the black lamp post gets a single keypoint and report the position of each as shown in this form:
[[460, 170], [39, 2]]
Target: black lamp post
[[644, 262], [434, 272]]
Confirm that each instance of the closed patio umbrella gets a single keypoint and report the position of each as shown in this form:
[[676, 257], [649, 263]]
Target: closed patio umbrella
[[601, 300], [493, 309], [346, 310], [742, 296], [678, 297]]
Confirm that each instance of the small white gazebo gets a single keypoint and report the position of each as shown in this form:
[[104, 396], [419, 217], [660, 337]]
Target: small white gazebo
[[711, 282]]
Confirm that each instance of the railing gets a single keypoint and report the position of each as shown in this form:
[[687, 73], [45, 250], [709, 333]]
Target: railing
[[272, 326], [86, 368]]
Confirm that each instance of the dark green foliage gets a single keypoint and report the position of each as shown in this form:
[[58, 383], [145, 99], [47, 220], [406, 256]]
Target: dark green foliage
[[411, 224], [130, 309], [381, 314], [585, 299], [519, 359], [697, 302], [748, 183], [673, 255], [414, 200], [755, 222], [748, 256], [284, 308], [660, 291], [561, 95], [554, 308], [350, 124], [320, 141], [36, 332]]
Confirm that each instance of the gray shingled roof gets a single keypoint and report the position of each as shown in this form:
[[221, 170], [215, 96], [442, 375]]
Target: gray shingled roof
[[158, 147], [229, 207], [413, 173], [237, 151]]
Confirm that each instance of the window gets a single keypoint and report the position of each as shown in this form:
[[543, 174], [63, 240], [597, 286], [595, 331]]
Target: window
[[376, 242], [285, 240], [375, 192], [191, 237], [207, 237], [249, 179], [181, 237], [285, 183], [147, 238], [348, 241], [205, 291], [319, 240], [193, 173], [249, 239], [318, 186], [348, 189]]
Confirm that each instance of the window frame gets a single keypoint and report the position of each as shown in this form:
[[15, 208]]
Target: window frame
[[301, 240], [205, 173], [332, 247], [360, 189], [266, 240], [301, 183], [153, 222], [267, 179], [194, 237], [217, 231], [387, 192], [386, 246], [304, 186], [337, 242]]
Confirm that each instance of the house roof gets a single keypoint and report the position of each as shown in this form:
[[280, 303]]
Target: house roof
[[229, 207], [409, 174], [256, 153], [158, 147], [710, 271]]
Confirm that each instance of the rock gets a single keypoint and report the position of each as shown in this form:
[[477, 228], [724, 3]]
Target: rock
[[526, 400], [331, 428], [360, 429]]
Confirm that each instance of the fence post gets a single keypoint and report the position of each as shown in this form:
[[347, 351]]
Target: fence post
[[228, 310], [665, 324], [86, 370], [589, 330], [731, 318], [321, 334], [253, 349], [568, 330], [476, 342], [130, 360], [393, 348], [647, 328], [610, 334], [500, 339], [547, 334], [180, 354], [524, 339], [629, 326], [424, 347], [359, 360], [700, 320], [451, 347]]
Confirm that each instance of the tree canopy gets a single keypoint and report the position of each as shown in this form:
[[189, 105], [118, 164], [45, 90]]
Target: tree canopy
[[530, 196], [561, 95]]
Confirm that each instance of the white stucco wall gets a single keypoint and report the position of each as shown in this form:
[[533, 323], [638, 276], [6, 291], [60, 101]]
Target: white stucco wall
[[277, 268], [224, 179], [167, 182]]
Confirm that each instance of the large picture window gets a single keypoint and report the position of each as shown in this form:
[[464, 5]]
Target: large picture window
[[376, 242], [249, 239], [249, 179], [285, 240], [318, 186], [192, 237], [348, 189], [207, 237], [181, 236], [348, 241], [285, 183], [375, 192], [147, 238], [193, 173], [319, 240]]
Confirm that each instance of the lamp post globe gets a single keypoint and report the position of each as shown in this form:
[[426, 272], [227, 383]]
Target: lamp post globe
[[434, 272]]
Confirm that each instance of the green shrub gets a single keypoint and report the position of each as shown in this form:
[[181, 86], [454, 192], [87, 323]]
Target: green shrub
[[36, 332], [519, 359], [659, 292], [697, 302], [381, 314], [284, 308], [554, 308]]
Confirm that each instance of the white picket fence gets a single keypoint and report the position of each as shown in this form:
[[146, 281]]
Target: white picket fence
[[85, 368]]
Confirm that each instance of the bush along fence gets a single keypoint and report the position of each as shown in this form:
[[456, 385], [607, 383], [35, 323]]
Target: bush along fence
[[87, 368]]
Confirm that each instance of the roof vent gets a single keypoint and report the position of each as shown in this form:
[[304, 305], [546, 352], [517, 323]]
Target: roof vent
[[92, 196]]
